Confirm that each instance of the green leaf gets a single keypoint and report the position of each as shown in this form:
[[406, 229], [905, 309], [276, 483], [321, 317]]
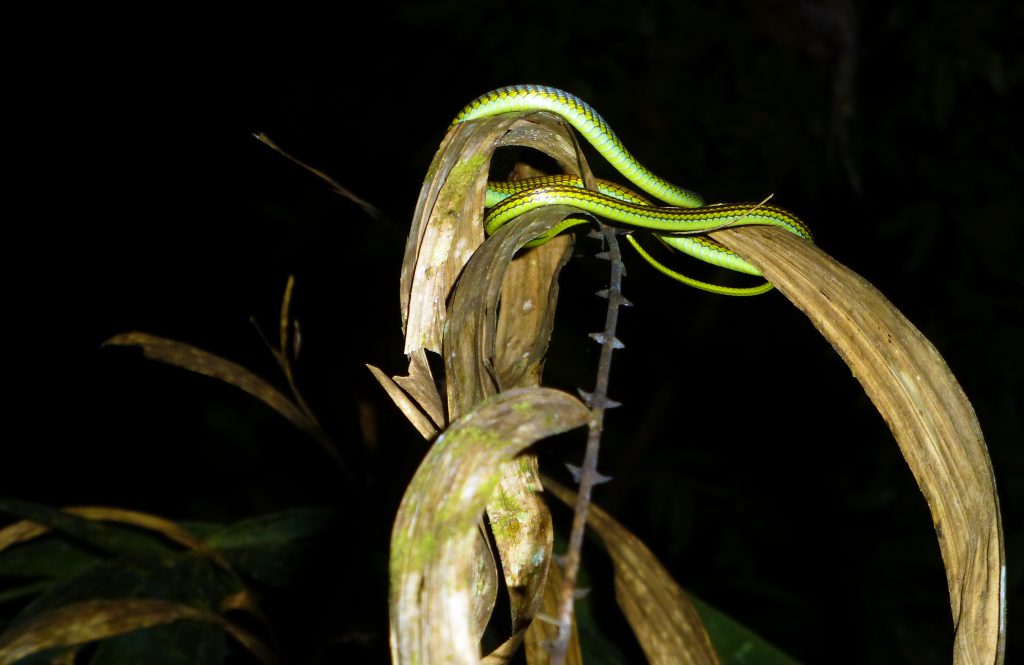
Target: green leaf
[[734, 643], [31, 589], [184, 577], [51, 557], [265, 548], [275, 529], [179, 643]]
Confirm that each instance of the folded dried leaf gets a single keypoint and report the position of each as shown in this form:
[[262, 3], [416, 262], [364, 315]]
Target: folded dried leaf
[[405, 403]]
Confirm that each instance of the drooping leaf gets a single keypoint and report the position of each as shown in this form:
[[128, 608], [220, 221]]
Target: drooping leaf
[[665, 623], [88, 621], [108, 538], [519, 518], [929, 415], [208, 364], [432, 545]]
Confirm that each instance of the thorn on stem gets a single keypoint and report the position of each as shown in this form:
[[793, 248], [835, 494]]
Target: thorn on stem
[[546, 618], [577, 472], [600, 338]]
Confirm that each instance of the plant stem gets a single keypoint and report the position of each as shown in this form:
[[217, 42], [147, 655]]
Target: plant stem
[[588, 471]]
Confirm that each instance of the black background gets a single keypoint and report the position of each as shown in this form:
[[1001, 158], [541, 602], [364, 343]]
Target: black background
[[745, 455]]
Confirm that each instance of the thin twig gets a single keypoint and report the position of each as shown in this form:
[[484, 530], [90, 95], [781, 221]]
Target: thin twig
[[368, 208], [588, 473]]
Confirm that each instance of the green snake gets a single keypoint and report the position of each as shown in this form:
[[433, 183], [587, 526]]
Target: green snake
[[686, 215]]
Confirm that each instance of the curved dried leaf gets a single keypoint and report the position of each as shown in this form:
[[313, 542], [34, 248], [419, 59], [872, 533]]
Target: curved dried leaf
[[469, 343], [106, 538], [446, 228], [447, 225], [519, 518], [505, 652], [208, 364], [485, 571], [666, 625], [544, 630], [529, 294], [432, 544], [93, 620], [927, 411], [20, 532]]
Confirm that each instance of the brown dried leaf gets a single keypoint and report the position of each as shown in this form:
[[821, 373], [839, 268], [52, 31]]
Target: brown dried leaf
[[519, 518], [485, 571], [666, 625], [544, 632], [927, 411], [529, 294], [421, 387], [523, 533], [93, 620], [20, 532], [470, 339], [432, 543], [208, 364], [284, 326], [505, 652], [447, 228], [410, 408]]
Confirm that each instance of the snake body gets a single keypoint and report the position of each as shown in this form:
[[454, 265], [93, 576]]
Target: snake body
[[589, 123], [687, 214]]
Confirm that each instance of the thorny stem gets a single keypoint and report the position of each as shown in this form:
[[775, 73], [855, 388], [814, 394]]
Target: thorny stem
[[588, 472]]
